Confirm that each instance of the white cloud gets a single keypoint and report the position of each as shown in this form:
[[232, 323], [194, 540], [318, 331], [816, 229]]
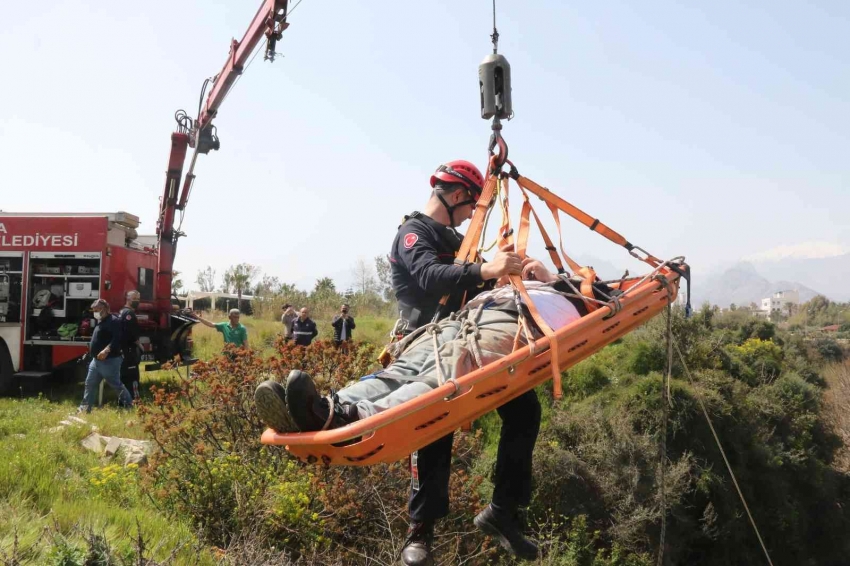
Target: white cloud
[[805, 250]]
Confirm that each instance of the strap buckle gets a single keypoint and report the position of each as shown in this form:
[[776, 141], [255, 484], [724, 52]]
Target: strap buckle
[[648, 257]]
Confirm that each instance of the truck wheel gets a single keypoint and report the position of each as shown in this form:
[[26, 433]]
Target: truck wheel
[[7, 371]]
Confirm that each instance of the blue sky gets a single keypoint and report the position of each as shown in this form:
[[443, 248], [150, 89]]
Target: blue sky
[[716, 132]]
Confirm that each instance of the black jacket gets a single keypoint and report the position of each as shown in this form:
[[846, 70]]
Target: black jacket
[[107, 333], [303, 331], [337, 324], [423, 269], [129, 331]]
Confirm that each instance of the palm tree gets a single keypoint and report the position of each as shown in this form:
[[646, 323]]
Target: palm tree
[[239, 278]]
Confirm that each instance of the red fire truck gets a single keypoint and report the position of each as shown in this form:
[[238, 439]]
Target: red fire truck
[[53, 266]]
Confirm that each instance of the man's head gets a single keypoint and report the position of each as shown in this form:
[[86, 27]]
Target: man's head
[[457, 186], [133, 298], [304, 313], [233, 315], [100, 308], [344, 308]]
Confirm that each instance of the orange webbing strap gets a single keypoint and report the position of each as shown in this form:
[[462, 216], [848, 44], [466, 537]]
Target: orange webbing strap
[[522, 233], [505, 237], [572, 263], [594, 224], [469, 247], [547, 331], [550, 247], [586, 273], [588, 276]]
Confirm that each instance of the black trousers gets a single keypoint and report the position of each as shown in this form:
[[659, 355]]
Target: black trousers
[[130, 372], [512, 477]]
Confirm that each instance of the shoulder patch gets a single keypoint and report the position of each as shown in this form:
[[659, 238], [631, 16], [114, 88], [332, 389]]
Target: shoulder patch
[[409, 239], [129, 317]]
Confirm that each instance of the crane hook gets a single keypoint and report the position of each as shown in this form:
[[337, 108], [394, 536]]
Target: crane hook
[[496, 140]]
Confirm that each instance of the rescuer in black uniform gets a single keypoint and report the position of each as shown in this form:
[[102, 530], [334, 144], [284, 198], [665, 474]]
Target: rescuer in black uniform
[[130, 343], [423, 269]]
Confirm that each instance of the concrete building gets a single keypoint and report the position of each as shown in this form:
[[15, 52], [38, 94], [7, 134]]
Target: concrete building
[[779, 303]]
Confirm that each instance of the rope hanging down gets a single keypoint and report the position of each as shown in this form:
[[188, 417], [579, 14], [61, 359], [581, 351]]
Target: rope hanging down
[[722, 452]]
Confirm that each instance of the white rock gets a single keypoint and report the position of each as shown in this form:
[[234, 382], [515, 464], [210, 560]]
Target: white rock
[[112, 446], [94, 442], [135, 455], [76, 419]]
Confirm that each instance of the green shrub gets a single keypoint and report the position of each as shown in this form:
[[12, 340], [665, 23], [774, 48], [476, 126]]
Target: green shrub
[[586, 378], [829, 350], [756, 361], [646, 357]]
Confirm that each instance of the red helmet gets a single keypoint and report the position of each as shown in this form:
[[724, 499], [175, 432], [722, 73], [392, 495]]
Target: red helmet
[[460, 171]]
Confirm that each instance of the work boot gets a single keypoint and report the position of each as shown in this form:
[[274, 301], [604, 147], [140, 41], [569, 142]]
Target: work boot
[[311, 411], [506, 527], [417, 546], [270, 400]]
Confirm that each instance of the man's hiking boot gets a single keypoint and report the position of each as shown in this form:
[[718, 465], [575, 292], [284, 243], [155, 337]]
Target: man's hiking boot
[[417, 546], [506, 527], [270, 400], [311, 411]]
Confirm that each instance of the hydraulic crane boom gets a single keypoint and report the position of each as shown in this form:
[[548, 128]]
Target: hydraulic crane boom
[[200, 134]]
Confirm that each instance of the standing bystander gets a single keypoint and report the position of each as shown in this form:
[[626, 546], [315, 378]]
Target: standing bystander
[[130, 343], [233, 331], [303, 328], [287, 317], [105, 350], [343, 324]]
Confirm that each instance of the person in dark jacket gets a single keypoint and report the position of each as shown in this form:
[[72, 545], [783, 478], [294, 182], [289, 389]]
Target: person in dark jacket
[[343, 324], [423, 269], [130, 348], [105, 350], [303, 328]]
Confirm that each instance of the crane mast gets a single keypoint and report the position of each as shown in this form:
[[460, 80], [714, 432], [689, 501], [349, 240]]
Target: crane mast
[[200, 135]]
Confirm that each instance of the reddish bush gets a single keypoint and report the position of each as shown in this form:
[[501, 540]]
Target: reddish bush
[[212, 467]]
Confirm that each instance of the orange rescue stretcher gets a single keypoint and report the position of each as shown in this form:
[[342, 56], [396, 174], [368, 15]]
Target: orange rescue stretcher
[[397, 432]]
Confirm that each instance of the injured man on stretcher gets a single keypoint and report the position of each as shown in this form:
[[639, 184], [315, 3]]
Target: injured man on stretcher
[[482, 332]]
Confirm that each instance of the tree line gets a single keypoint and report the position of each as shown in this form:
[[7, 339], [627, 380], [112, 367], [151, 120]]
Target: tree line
[[370, 292]]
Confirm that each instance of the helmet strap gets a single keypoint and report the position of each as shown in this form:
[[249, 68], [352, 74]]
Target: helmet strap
[[451, 208]]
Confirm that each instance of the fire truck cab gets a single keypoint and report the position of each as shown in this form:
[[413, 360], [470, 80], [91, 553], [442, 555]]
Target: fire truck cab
[[52, 267]]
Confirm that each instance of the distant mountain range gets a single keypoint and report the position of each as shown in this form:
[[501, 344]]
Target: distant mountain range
[[748, 282], [742, 284], [829, 275]]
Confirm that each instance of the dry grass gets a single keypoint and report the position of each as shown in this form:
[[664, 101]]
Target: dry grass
[[837, 405]]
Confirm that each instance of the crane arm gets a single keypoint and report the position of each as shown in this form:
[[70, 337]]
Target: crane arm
[[269, 23]]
